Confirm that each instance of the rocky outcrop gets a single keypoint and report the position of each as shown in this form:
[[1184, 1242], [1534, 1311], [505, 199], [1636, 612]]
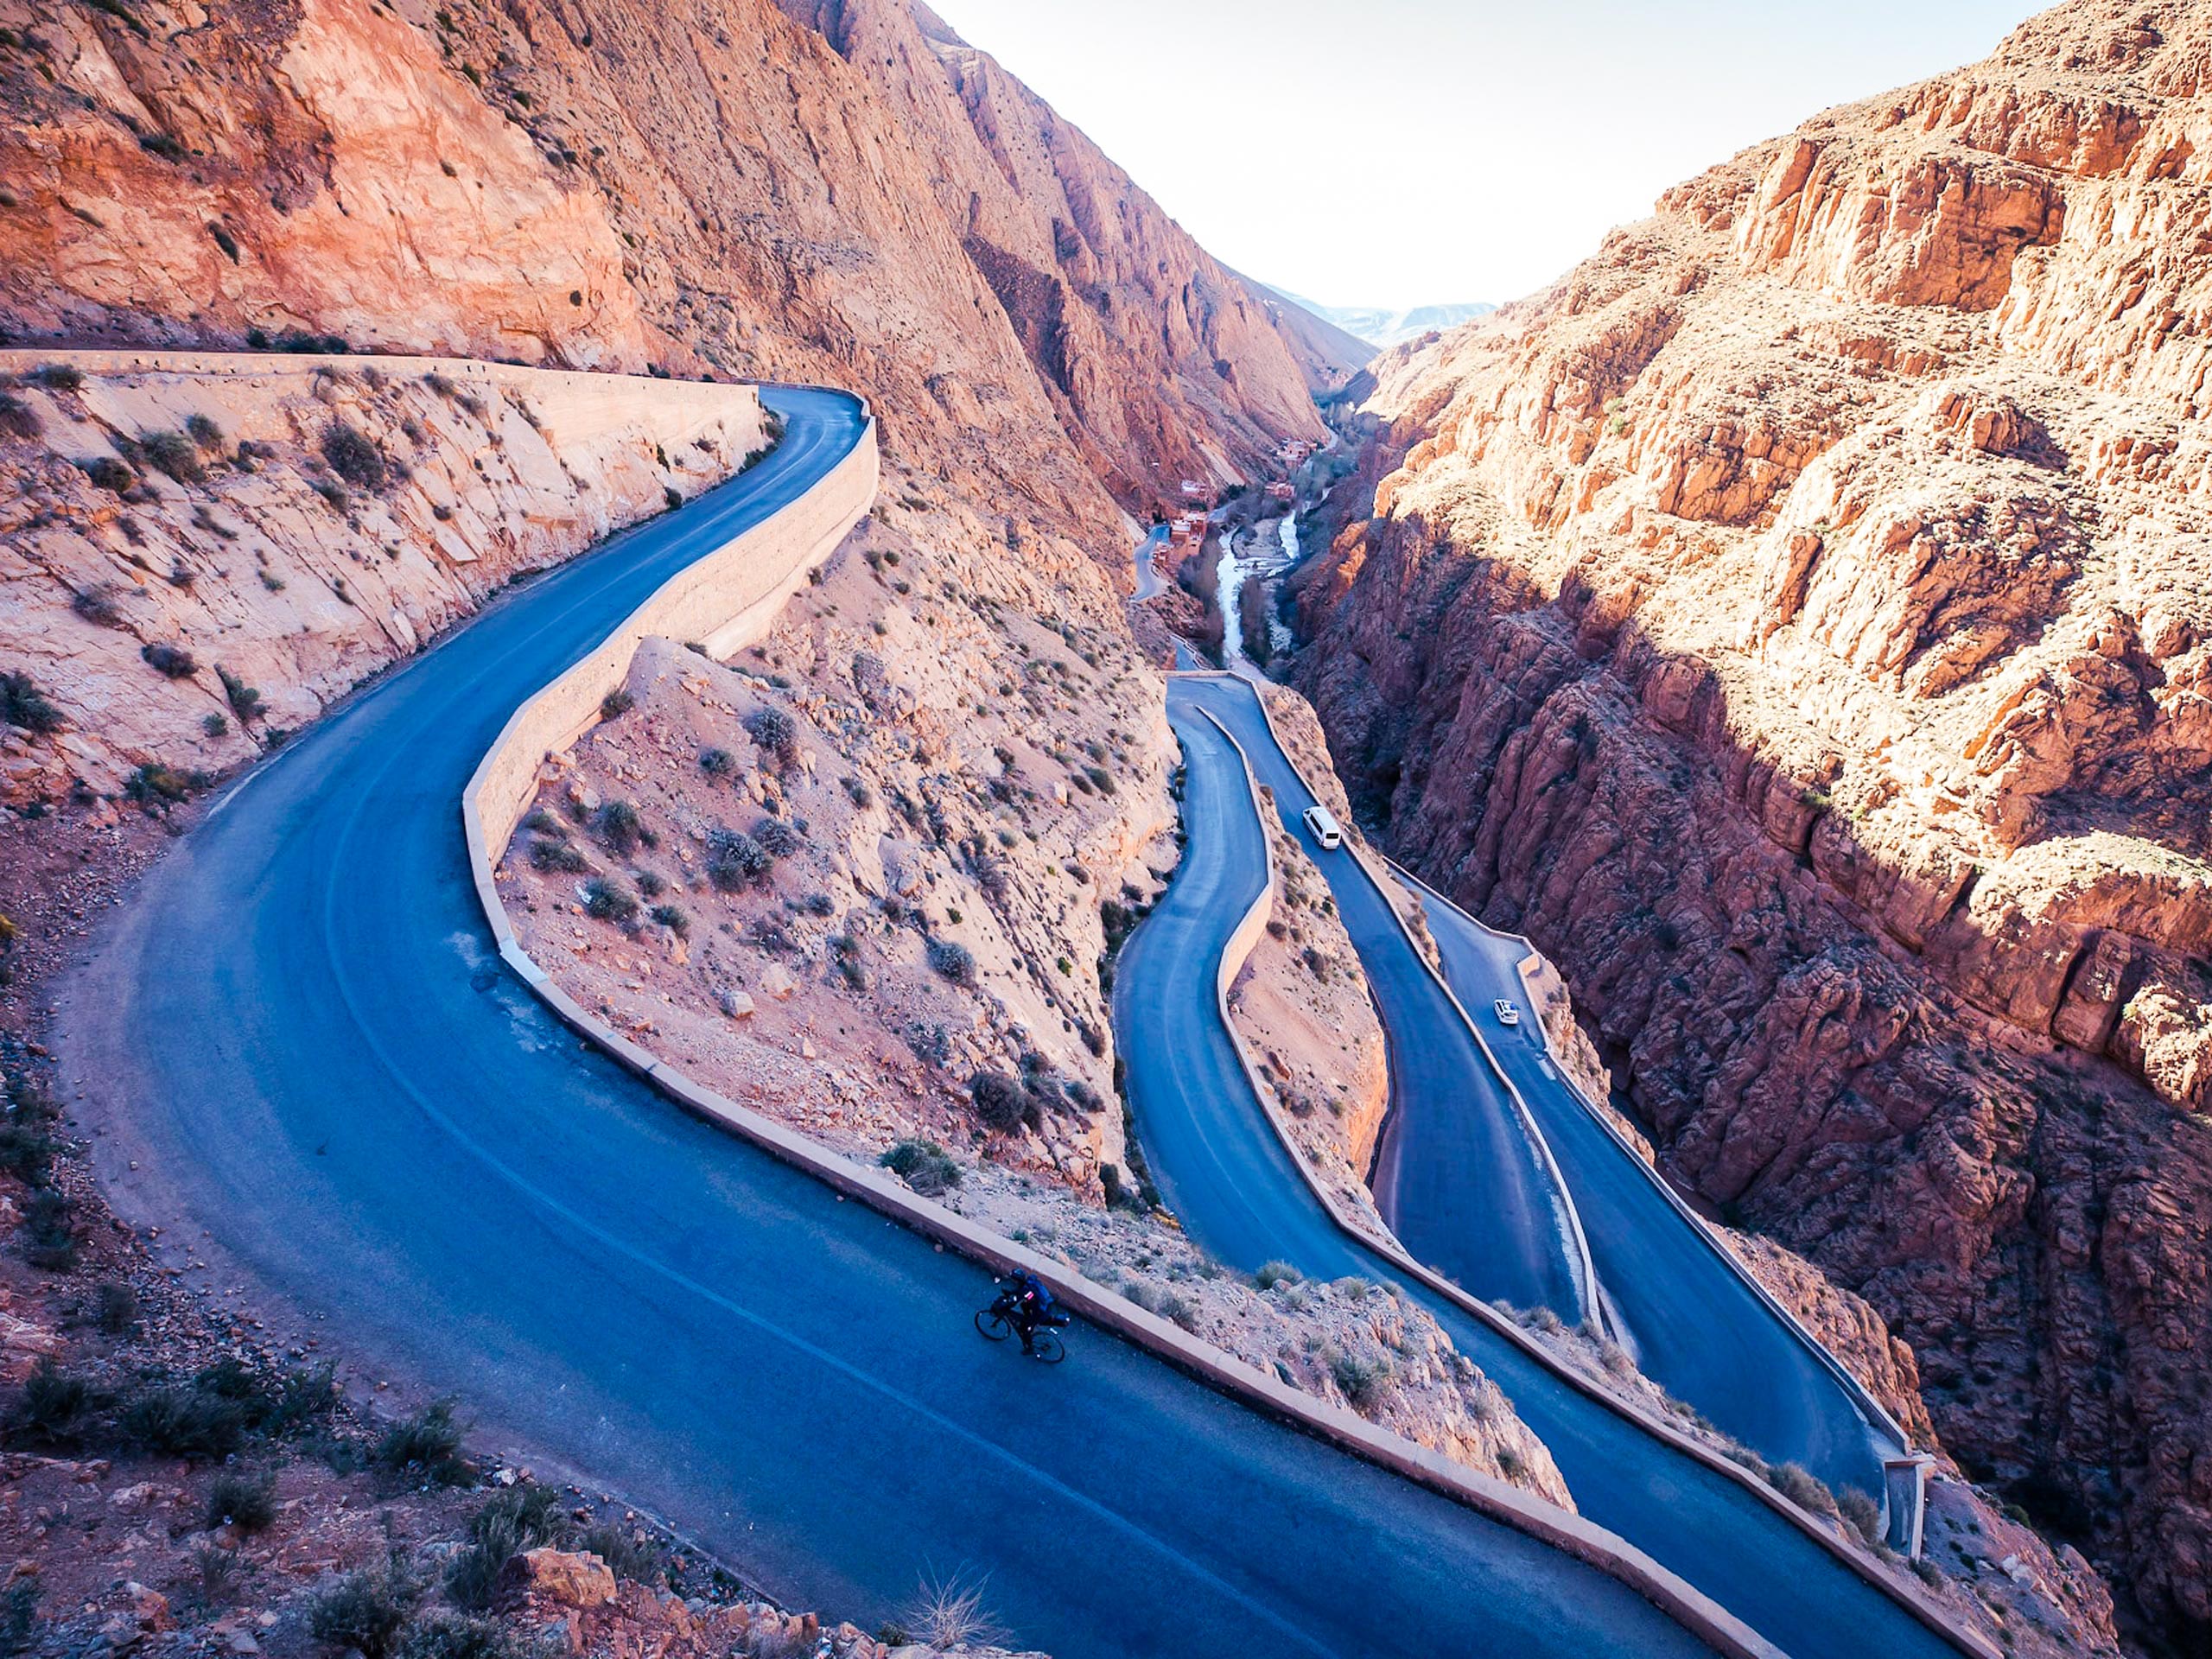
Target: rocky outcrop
[[846, 193], [1795, 621], [198, 554]]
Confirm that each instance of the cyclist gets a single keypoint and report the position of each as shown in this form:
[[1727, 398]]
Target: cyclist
[[1028, 1303]]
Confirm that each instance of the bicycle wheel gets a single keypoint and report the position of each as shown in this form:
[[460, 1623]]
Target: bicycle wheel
[[1049, 1348], [994, 1326]]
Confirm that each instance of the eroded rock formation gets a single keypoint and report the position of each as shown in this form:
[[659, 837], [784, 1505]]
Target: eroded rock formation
[[845, 194], [1798, 619]]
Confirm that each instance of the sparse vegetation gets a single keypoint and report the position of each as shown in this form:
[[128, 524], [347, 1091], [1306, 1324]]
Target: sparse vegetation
[[736, 861], [1000, 1101], [365, 1611], [173, 453], [247, 1502], [953, 960], [717, 763], [173, 662], [924, 1165], [108, 473], [246, 702], [776, 733], [24, 706], [18, 419], [616, 703], [428, 1444], [620, 826], [609, 900], [355, 456]]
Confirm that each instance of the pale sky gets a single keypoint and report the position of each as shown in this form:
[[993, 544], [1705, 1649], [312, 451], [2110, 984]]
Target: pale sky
[[1402, 152]]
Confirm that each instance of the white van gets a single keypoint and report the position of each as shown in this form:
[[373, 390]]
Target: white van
[[1326, 829]]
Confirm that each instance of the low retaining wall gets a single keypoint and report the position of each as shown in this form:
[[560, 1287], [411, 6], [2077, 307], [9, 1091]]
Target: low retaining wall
[[739, 587], [723, 600]]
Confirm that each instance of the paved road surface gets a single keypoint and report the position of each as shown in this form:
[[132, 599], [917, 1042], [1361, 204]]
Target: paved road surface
[[1697, 1328], [1236, 1190], [1457, 1174], [299, 1032], [1150, 582]]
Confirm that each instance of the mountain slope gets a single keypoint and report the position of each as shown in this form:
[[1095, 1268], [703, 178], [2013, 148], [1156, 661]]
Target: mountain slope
[[1799, 621], [836, 196]]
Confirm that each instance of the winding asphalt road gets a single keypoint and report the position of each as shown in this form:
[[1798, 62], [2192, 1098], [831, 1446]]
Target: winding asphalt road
[[302, 1056], [1699, 1330], [1230, 1181], [1457, 1176]]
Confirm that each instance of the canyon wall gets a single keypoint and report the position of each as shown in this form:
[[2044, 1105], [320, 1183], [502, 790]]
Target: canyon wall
[[854, 197], [1798, 619]]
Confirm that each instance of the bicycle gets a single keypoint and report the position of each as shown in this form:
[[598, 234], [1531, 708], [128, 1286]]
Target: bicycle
[[995, 1323]]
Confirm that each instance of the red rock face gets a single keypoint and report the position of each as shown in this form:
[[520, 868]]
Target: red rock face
[[1795, 620], [846, 198]]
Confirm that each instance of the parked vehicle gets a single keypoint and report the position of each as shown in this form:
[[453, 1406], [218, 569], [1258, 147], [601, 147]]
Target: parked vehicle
[[1507, 1014], [1323, 823]]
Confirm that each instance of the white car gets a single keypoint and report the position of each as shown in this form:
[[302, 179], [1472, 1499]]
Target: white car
[[1507, 1014], [1323, 823]]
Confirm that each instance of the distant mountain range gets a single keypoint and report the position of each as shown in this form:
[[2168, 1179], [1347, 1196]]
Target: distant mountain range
[[1382, 328]]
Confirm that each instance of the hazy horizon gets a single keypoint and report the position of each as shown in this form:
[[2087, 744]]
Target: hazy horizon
[[1486, 148]]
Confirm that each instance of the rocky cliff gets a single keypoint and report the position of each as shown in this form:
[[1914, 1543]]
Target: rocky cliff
[[844, 193], [1798, 619]]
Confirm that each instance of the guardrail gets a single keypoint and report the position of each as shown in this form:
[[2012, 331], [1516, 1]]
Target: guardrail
[[500, 786], [1934, 1618]]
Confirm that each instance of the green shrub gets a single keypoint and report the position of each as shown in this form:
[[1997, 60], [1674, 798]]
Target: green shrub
[[1000, 1101], [1861, 1512], [173, 662], [173, 453], [735, 860], [625, 1557], [353, 457], [238, 1499], [204, 432], [365, 1611], [1272, 1273], [716, 763], [777, 838], [1360, 1377], [616, 703], [185, 1422], [924, 1165], [49, 1232], [619, 825], [246, 702], [115, 1307], [19, 1619], [953, 960], [776, 732], [17, 418], [460, 1635], [23, 705], [859, 793], [54, 1405], [607, 900], [520, 1518], [61, 376], [428, 1444], [546, 854], [1802, 1487], [672, 918], [107, 473]]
